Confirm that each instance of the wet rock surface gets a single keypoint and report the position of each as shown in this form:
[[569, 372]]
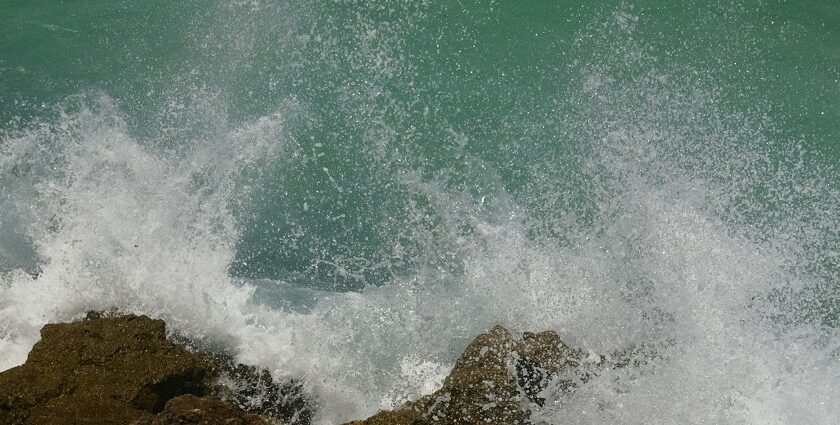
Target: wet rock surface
[[255, 391], [122, 369], [190, 409], [493, 381], [101, 370]]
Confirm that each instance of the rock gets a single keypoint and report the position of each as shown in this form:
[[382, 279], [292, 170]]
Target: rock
[[110, 370], [492, 381], [542, 358], [255, 391], [189, 409], [121, 369], [405, 415], [479, 389]]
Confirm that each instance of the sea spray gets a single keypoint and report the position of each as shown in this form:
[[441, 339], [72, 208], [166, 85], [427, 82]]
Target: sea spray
[[398, 180], [119, 225]]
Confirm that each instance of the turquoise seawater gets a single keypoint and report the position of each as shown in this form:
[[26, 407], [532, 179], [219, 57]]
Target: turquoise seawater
[[351, 190]]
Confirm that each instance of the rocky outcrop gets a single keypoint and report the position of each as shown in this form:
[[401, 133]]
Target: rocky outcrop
[[103, 371], [118, 370], [123, 370], [493, 380]]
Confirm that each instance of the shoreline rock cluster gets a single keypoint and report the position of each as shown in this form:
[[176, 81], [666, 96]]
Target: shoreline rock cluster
[[123, 370]]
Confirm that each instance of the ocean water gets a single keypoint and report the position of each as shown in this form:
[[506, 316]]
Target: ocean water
[[350, 191]]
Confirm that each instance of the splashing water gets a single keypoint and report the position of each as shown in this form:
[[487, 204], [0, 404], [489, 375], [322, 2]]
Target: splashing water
[[355, 222]]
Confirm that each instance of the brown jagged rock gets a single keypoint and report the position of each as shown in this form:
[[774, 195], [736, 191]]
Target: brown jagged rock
[[191, 410], [540, 358], [491, 382], [101, 370], [479, 389], [112, 369], [408, 414]]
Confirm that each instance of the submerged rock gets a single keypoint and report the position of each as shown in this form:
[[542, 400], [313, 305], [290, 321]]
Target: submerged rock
[[117, 370], [492, 382]]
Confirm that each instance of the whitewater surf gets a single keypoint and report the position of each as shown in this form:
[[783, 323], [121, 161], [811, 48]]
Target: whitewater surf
[[349, 193]]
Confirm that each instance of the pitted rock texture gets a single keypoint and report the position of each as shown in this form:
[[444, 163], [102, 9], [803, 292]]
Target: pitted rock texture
[[121, 369], [492, 382], [102, 370]]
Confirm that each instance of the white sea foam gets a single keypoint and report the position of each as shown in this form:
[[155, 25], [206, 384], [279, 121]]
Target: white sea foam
[[116, 224], [672, 258]]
